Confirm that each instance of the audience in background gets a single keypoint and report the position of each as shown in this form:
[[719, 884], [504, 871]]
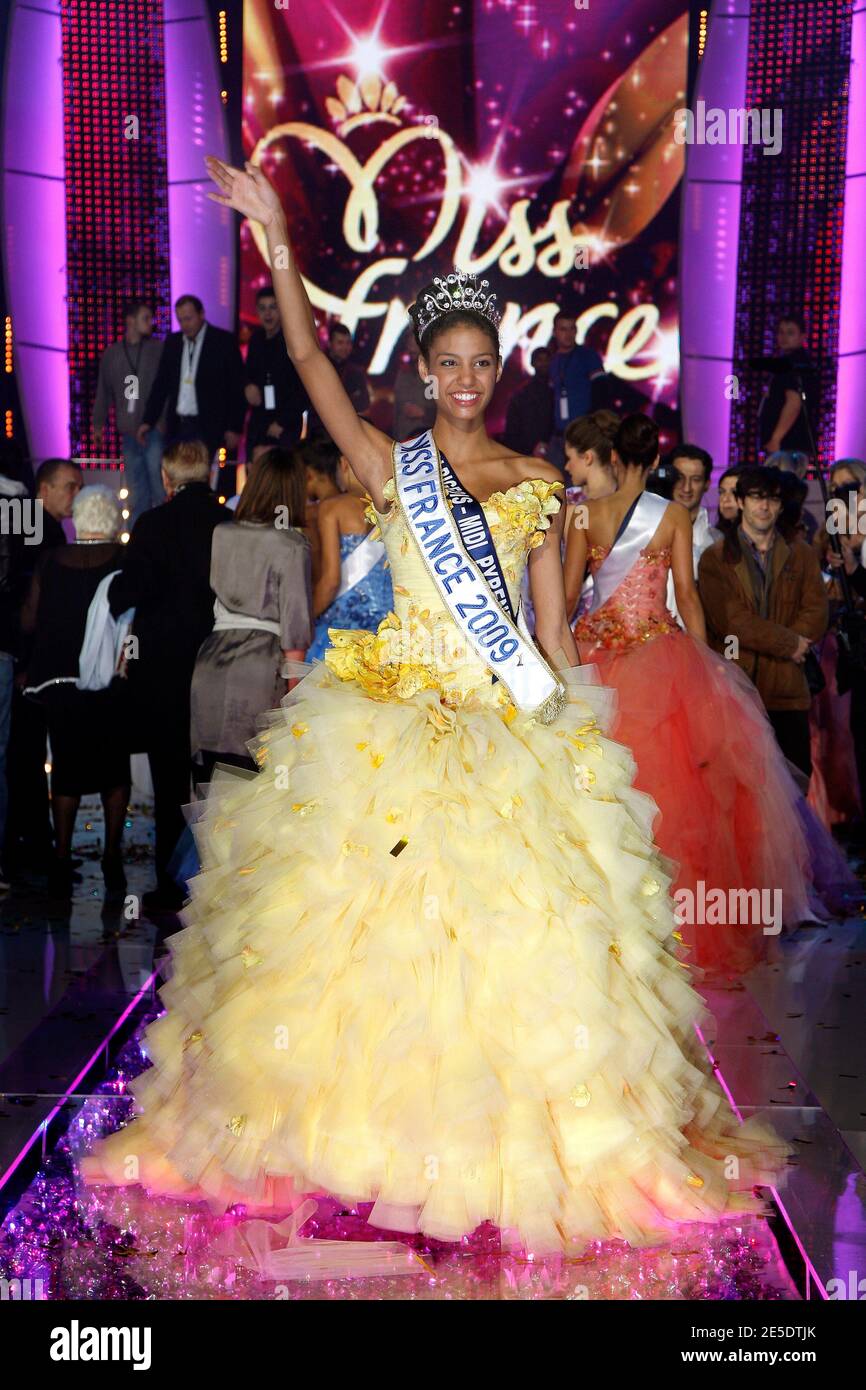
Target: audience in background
[[87, 728], [529, 418], [853, 675], [127, 373], [414, 408], [29, 840], [782, 423], [260, 574], [573, 369], [788, 461], [839, 713], [166, 579], [728, 507], [351, 374], [768, 595], [199, 384], [273, 388], [219, 609], [693, 469], [13, 572]]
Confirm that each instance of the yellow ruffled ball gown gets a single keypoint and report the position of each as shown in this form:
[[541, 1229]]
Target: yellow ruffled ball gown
[[430, 960]]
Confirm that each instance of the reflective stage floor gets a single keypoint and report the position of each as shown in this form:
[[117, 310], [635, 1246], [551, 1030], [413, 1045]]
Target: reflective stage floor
[[788, 1043]]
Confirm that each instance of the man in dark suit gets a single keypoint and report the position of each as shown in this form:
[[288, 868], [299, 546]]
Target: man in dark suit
[[166, 579], [200, 380], [274, 389]]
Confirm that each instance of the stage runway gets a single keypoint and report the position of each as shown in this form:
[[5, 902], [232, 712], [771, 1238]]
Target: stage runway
[[788, 1043]]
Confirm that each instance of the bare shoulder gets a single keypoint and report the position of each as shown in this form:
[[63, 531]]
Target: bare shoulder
[[677, 517], [599, 506], [527, 467]]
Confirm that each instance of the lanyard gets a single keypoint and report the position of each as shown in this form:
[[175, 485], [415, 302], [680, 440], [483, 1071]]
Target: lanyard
[[133, 365]]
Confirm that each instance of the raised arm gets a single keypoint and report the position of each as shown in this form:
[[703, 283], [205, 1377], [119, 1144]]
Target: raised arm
[[249, 192]]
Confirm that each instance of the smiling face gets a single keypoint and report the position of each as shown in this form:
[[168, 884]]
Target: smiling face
[[465, 368], [691, 484]]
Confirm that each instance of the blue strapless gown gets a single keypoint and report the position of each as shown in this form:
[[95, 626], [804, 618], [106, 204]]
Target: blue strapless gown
[[363, 607]]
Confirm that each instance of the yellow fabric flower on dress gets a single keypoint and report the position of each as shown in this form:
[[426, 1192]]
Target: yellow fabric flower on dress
[[525, 508]]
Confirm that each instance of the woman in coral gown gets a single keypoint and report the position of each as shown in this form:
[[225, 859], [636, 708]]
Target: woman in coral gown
[[705, 750], [430, 961]]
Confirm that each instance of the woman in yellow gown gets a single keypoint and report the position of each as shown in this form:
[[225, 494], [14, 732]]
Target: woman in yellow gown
[[431, 960]]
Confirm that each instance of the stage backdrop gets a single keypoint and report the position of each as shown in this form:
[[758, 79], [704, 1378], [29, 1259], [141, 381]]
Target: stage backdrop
[[532, 143]]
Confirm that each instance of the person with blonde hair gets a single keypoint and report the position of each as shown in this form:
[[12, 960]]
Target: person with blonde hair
[[86, 727], [166, 579]]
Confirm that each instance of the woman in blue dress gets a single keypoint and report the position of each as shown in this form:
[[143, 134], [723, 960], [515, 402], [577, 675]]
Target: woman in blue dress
[[354, 587]]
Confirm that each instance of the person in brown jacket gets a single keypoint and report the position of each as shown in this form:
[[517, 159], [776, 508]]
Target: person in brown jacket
[[769, 595]]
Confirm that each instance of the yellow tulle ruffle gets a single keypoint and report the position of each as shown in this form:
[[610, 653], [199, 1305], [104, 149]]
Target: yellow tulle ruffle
[[430, 962]]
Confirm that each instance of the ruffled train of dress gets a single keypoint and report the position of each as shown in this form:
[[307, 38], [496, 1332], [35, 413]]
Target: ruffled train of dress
[[430, 962], [730, 814]]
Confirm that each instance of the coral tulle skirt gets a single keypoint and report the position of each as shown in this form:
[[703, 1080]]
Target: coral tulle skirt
[[730, 814]]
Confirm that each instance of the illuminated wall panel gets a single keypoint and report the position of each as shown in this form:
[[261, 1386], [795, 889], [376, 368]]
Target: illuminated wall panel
[[790, 257]]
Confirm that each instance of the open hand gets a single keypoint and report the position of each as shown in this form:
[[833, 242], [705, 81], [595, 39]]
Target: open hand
[[246, 190]]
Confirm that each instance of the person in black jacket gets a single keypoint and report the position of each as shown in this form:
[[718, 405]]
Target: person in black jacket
[[273, 387], [29, 840], [853, 547], [166, 579], [200, 382], [17, 512], [529, 418]]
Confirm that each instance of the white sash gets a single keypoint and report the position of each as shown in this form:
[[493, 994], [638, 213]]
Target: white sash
[[642, 526], [359, 562], [504, 649], [225, 620]]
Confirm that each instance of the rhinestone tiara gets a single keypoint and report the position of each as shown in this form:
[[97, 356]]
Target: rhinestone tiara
[[459, 290]]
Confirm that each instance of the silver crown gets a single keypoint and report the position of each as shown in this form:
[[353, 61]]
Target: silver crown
[[458, 290]]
